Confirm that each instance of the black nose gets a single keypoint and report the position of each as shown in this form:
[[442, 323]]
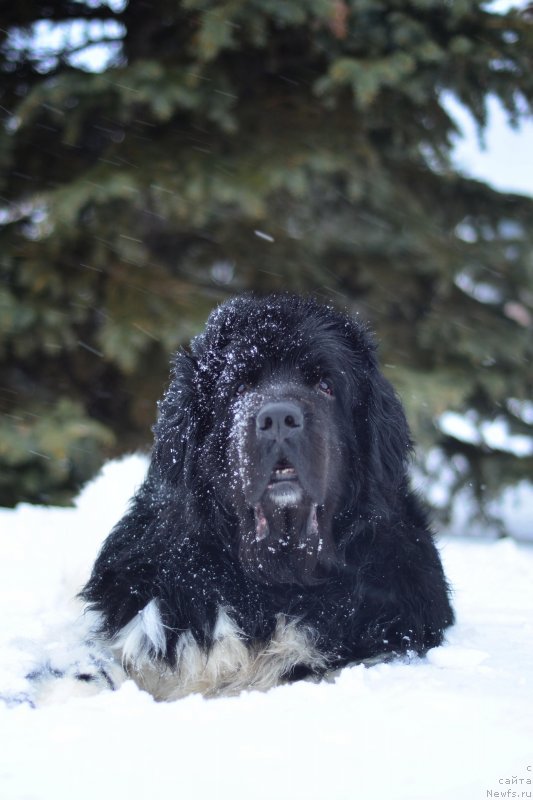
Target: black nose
[[279, 420]]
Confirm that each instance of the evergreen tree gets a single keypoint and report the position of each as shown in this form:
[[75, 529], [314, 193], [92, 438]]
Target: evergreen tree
[[268, 144]]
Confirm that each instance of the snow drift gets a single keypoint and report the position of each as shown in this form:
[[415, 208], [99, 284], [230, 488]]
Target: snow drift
[[457, 724]]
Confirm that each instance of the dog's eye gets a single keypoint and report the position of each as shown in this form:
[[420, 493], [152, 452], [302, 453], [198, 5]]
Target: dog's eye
[[241, 388], [325, 386]]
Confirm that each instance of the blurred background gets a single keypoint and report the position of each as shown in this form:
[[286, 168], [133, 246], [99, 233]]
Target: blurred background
[[158, 157]]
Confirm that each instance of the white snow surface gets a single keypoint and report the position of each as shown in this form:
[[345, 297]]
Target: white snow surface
[[456, 725]]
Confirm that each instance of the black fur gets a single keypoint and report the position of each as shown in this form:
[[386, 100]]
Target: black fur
[[280, 383]]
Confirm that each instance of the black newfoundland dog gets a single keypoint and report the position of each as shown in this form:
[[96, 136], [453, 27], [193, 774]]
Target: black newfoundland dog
[[275, 535]]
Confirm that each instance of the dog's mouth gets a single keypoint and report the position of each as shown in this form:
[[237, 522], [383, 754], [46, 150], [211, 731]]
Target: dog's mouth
[[284, 487], [283, 491], [283, 472]]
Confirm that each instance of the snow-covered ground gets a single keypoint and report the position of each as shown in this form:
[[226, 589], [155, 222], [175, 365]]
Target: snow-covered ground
[[457, 725]]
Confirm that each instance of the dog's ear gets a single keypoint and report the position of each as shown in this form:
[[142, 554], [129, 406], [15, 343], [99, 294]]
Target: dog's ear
[[389, 439], [176, 419]]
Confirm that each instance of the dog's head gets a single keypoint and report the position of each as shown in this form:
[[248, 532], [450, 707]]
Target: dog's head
[[279, 420]]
